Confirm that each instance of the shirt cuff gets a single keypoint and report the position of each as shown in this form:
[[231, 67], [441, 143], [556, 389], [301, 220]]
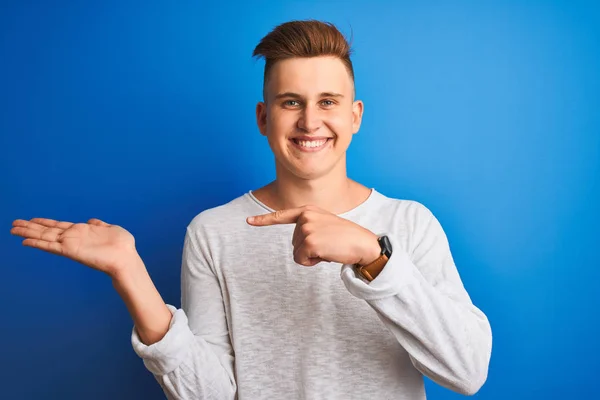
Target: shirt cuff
[[168, 353], [397, 273]]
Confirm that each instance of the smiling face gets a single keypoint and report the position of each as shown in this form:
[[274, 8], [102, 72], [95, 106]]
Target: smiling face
[[309, 115]]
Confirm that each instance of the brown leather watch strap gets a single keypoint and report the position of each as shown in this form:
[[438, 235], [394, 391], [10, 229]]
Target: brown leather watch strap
[[370, 271]]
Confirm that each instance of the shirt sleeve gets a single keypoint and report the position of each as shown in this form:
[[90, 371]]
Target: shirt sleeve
[[420, 297], [194, 360]]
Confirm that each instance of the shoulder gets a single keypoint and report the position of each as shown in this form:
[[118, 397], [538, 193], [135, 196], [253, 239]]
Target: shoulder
[[411, 212], [412, 221], [224, 218]]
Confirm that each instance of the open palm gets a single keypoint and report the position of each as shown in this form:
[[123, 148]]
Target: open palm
[[96, 244]]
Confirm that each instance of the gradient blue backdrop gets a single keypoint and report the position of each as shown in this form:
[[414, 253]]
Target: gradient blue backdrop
[[142, 114]]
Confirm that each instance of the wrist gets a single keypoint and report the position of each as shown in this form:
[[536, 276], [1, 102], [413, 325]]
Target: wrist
[[371, 252], [130, 270], [371, 270]]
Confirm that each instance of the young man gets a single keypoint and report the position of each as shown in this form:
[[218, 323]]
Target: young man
[[264, 312]]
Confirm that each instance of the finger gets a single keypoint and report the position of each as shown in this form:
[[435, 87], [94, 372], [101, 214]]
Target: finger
[[50, 247], [51, 223], [28, 224], [288, 216], [313, 261], [300, 233], [296, 240], [303, 255], [47, 234], [96, 221]]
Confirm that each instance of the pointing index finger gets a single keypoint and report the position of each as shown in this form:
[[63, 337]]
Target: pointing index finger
[[288, 216]]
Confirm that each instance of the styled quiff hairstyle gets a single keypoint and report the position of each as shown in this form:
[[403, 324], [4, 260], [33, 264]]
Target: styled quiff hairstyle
[[305, 39]]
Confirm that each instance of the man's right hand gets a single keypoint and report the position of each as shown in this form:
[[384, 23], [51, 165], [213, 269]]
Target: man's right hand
[[110, 249], [99, 245]]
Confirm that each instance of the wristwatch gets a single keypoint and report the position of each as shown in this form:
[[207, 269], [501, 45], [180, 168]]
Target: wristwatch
[[370, 271]]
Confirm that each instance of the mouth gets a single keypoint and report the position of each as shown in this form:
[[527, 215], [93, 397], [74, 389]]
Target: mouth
[[312, 144]]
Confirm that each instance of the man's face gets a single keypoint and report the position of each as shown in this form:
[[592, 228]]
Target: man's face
[[309, 114]]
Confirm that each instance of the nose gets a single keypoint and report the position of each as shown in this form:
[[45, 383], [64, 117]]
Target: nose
[[310, 120]]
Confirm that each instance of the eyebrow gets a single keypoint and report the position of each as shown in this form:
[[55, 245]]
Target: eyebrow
[[297, 96]]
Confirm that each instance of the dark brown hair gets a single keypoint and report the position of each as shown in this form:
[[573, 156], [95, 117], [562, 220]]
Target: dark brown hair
[[307, 38]]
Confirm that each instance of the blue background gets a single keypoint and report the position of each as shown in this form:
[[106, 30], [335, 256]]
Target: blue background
[[142, 114]]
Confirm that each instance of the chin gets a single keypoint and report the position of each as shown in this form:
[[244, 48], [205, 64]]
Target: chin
[[308, 170], [310, 174]]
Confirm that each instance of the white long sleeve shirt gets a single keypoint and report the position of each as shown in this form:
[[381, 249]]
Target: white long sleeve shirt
[[253, 324]]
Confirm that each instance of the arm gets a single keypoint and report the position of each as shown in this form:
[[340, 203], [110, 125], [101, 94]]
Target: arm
[[150, 314], [190, 359], [420, 298], [194, 359]]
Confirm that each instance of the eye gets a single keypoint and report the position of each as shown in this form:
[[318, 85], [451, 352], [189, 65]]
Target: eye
[[327, 103], [291, 103]]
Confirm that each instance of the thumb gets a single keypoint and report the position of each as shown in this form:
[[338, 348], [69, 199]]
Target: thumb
[[97, 222]]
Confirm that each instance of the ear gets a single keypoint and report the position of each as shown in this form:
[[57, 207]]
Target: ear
[[261, 118], [357, 113]]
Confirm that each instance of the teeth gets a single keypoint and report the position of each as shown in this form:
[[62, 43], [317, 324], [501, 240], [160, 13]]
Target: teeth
[[312, 143]]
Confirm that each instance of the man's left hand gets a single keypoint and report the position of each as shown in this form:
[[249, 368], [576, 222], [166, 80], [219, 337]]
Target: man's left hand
[[322, 236]]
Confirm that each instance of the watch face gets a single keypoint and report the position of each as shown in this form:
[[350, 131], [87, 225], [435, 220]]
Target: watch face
[[386, 246]]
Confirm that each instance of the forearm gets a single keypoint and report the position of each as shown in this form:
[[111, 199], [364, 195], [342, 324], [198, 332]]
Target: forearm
[[448, 341], [149, 312], [447, 337], [186, 365]]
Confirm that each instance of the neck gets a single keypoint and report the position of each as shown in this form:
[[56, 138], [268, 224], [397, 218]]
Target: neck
[[333, 192]]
